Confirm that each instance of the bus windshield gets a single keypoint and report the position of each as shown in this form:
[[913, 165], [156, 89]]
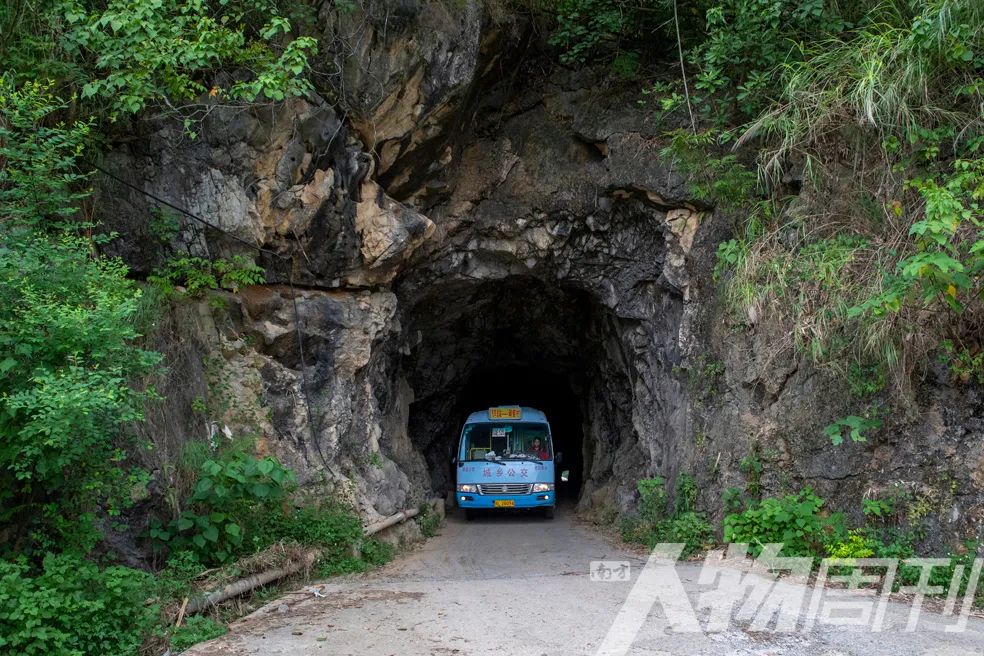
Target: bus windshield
[[506, 440]]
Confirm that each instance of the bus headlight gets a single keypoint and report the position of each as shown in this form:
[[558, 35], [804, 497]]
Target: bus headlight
[[467, 487], [543, 487]]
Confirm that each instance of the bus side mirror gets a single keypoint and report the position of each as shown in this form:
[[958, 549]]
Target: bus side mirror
[[559, 457], [565, 476]]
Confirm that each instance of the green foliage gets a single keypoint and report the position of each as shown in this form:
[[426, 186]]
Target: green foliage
[[893, 67], [962, 557], [227, 494], [732, 500], [583, 25], [605, 29], [653, 498], [722, 180], [686, 494], [127, 54], [197, 628], [626, 65], [376, 553], [668, 96], [690, 528], [67, 340], [164, 225], [238, 506], [731, 254], [878, 508], [39, 181], [651, 525], [752, 467], [945, 267], [428, 520], [71, 607], [703, 375], [856, 545], [965, 365], [337, 531], [865, 381], [794, 520], [854, 426], [198, 275]]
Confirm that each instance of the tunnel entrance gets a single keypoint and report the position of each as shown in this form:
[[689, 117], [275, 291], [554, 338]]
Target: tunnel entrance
[[518, 341]]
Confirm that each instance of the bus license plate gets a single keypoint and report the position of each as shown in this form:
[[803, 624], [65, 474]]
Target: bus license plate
[[504, 503]]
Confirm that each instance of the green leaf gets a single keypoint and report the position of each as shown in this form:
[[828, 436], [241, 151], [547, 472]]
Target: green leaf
[[211, 534]]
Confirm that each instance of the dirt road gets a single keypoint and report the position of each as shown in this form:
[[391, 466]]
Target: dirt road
[[520, 585]]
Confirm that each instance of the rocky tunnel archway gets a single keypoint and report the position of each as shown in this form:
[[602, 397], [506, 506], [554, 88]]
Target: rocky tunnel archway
[[522, 340]]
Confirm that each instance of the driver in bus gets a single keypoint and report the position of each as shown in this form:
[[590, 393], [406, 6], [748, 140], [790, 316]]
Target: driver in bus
[[537, 449]]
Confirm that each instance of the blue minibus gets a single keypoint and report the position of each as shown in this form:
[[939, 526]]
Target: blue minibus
[[505, 459]]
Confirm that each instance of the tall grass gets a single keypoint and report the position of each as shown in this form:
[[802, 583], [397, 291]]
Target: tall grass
[[900, 70]]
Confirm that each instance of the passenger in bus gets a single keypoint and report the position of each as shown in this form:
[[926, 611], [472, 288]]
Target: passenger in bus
[[537, 449]]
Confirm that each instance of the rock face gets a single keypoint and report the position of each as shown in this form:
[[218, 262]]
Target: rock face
[[458, 237]]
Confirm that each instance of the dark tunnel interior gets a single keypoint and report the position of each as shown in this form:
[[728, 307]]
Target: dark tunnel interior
[[514, 341]]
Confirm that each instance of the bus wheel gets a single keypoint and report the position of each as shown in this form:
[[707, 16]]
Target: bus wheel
[[469, 514], [548, 512]]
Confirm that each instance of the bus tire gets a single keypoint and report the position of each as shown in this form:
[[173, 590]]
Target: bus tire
[[469, 514], [548, 512]]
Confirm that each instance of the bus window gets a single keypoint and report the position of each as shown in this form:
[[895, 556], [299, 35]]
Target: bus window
[[517, 439]]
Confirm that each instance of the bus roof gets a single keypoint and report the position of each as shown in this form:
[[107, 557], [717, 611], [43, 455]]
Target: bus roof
[[529, 415]]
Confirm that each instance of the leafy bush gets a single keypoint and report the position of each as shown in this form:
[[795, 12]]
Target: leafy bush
[[73, 608], [67, 339], [199, 275], [39, 180], [691, 528], [795, 521], [652, 526], [126, 55], [228, 494], [605, 30]]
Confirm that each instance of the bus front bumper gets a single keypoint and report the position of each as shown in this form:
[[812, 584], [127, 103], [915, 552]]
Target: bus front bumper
[[505, 501]]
